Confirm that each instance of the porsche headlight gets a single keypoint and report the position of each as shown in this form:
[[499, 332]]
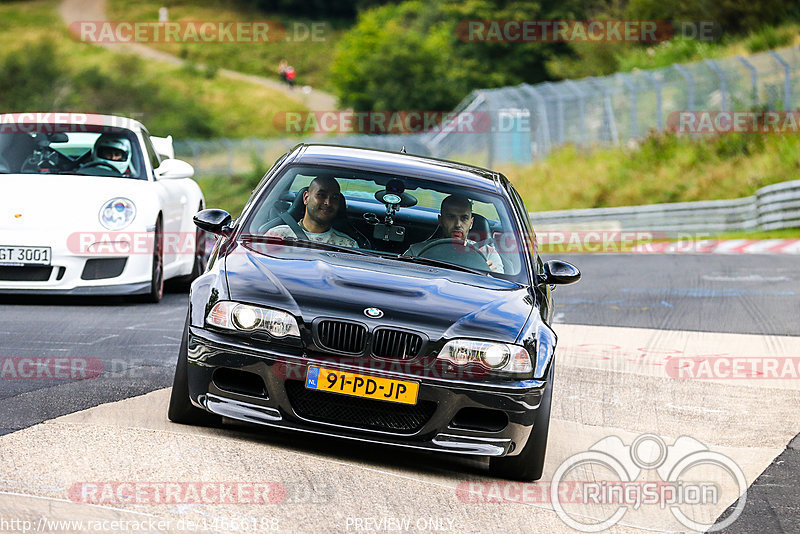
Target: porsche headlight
[[496, 356], [117, 213], [246, 318]]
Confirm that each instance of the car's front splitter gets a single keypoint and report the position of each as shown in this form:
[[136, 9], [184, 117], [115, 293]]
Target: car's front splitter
[[209, 352]]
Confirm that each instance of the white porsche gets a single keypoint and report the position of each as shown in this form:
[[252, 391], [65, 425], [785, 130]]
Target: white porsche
[[94, 205]]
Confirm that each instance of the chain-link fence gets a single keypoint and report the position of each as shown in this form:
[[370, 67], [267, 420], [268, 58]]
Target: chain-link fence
[[526, 122]]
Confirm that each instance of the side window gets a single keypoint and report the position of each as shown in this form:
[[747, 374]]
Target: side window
[[155, 161]]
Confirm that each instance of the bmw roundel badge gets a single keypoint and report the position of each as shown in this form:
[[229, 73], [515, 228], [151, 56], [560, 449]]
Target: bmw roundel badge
[[373, 313]]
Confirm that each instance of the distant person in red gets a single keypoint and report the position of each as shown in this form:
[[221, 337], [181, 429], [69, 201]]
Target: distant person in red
[[282, 67], [290, 76]]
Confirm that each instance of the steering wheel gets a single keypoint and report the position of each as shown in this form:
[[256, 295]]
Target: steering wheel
[[455, 251], [100, 164]]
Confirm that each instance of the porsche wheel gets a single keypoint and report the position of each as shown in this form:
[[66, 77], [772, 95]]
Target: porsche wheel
[[157, 272]]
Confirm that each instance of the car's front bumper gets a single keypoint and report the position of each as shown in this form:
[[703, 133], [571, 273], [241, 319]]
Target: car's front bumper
[[440, 431], [69, 272]]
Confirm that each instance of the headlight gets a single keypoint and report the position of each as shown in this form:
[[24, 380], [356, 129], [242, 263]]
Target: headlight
[[245, 318], [117, 213], [496, 356]]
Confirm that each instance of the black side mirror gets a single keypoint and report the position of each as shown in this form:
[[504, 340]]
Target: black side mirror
[[559, 272], [214, 221]]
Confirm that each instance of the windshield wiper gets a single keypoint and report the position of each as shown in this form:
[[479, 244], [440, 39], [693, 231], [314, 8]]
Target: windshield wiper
[[438, 263], [307, 243]]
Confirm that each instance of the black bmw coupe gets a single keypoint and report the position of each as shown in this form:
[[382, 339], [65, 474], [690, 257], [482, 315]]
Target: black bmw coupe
[[381, 297]]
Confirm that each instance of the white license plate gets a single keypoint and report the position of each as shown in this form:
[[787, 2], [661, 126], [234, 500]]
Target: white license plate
[[15, 255]]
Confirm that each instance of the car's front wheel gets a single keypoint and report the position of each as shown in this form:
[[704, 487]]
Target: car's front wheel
[[529, 463], [200, 258], [181, 410], [156, 291]]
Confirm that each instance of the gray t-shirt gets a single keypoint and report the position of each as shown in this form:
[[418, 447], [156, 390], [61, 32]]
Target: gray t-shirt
[[332, 236], [491, 253]]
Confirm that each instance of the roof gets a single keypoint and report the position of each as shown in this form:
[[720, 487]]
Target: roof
[[68, 117], [397, 163]]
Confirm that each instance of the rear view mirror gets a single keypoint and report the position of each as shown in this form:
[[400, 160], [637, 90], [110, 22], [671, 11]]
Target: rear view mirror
[[174, 169], [559, 272], [214, 221]]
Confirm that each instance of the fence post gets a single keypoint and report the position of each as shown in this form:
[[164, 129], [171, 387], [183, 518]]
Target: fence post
[[609, 110], [581, 109], [787, 81], [559, 109], [659, 110], [634, 97], [753, 79], [689, 82], [723, 83], [541, 115]]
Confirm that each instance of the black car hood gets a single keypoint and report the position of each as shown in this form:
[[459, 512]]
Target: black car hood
[[440, 302]]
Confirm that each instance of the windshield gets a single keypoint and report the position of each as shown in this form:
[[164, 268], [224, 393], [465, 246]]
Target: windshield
[[409, 220], [71, 149]]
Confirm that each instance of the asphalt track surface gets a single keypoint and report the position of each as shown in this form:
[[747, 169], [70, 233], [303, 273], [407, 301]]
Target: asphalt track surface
[[608, 386]]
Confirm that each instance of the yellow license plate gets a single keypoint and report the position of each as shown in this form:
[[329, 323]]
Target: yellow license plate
[[355, 385]]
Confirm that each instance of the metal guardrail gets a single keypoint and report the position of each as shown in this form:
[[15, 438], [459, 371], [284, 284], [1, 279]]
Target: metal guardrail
[[772, 207]]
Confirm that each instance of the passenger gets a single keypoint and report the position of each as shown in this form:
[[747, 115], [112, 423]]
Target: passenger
[[322, 201]]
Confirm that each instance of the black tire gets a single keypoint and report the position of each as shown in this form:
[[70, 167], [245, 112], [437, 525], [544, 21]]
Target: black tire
[[157, 271], [529, 463], [181, 410]]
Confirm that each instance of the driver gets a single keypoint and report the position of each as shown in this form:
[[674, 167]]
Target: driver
[[455, 220], [322, 205], [112, 151]]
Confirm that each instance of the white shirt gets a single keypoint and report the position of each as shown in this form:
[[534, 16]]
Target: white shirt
[[332, 236]]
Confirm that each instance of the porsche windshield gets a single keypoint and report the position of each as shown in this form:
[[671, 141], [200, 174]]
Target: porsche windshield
[[409, 219], [71, 149]]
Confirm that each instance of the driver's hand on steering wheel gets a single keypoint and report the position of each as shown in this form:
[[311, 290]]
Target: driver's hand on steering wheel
[[491, 265]]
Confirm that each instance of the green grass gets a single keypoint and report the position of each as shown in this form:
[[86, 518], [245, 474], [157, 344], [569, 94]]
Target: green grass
[[664, 168], [182, 101], [599, 59], [311, 57]]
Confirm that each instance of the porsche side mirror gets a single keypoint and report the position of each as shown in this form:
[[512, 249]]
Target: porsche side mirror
[[214, 221], [559, 272], [174, 169]]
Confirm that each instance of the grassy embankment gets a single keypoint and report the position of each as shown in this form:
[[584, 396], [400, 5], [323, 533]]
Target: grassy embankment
[[43, 68], [309, 54]]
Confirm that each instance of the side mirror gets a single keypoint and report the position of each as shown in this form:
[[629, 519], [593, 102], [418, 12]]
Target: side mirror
[[174, 169], [214, 221], [559, 272]]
